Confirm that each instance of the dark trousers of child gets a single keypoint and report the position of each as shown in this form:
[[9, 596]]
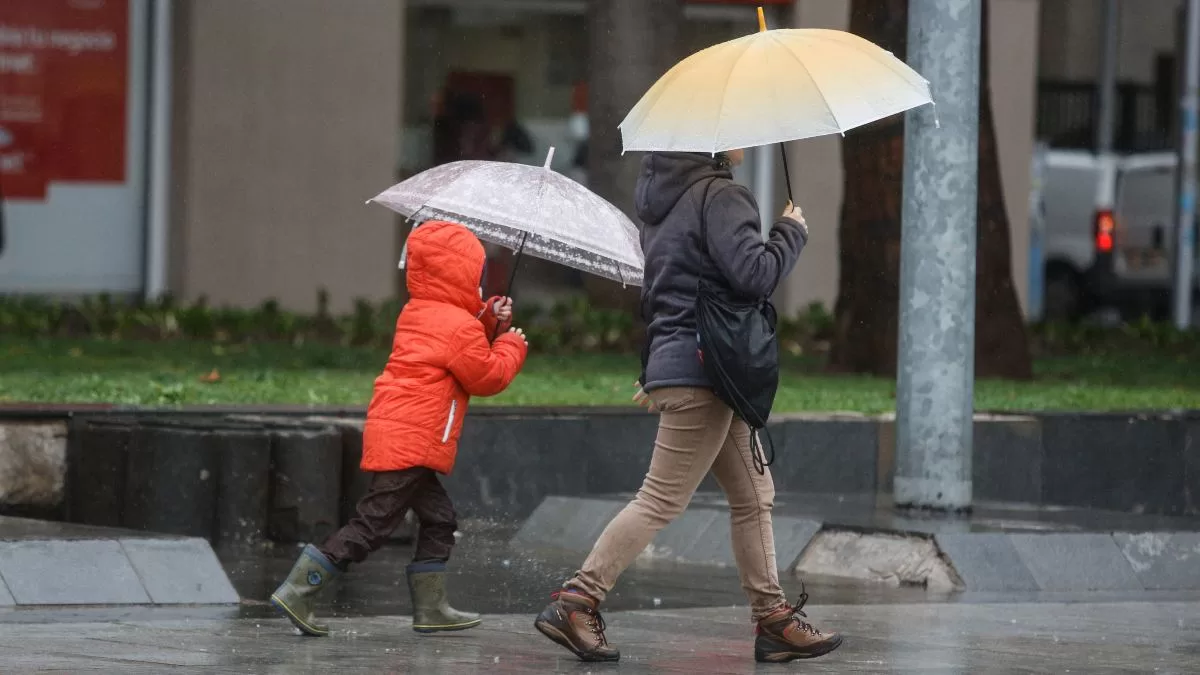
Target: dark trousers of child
[[390, 495]]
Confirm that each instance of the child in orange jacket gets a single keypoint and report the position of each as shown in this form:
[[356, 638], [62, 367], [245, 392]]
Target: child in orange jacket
[[443, 354]]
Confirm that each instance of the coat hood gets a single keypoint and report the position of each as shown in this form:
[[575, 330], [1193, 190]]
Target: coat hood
[[667, 176], [445, 264]]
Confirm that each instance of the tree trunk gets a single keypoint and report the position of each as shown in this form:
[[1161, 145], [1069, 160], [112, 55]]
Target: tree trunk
[[631, 43], [868, 300], [1001, 341]]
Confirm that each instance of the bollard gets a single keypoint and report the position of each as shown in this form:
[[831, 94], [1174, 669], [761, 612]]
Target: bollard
[[306, 477], [171, 479], [243, 485], [98, 450]]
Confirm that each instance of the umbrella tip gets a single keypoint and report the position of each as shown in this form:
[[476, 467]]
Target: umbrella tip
[[762, 20], [549, 158]]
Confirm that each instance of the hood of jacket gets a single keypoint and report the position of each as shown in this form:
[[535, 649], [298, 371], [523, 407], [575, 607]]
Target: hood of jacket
[[667, 176], [445, 264]]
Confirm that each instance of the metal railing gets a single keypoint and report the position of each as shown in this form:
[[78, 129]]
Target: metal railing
[[1067, 115]]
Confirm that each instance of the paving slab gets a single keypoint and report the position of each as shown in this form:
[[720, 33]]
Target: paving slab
[[180, 571], [6, 598], [1076, 562], [987, 561], [1163, 560], [76, 572], [568, 523], [714, 547], [681, 536], [792, 536]]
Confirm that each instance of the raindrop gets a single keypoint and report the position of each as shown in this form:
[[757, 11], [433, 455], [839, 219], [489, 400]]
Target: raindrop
[[658, 602], [496, 659]]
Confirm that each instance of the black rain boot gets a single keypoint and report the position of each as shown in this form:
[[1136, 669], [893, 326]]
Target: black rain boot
[[296, 597], [432, 613]]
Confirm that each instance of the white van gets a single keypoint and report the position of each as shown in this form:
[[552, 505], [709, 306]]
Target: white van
[[1109, 233]]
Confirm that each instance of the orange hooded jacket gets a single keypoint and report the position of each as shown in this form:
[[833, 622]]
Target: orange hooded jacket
[[441, 355]]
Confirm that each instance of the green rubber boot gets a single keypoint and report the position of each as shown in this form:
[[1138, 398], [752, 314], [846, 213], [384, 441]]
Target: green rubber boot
[[296, 598], [432, 613]]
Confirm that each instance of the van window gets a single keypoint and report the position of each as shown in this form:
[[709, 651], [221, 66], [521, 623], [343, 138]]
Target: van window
[[1146, 198], [1069, 198]]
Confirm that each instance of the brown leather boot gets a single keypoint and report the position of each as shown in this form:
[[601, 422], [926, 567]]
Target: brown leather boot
[[573, 620], [784, 636]]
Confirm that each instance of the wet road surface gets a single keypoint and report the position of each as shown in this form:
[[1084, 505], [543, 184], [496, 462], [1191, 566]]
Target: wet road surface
[[666, 618], [1136, 637]]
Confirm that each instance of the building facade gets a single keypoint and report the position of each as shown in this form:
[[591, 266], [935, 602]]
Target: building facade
[[225, 148]]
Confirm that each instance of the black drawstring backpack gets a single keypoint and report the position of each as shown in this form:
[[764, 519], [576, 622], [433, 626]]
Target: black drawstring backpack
[[740, 352]]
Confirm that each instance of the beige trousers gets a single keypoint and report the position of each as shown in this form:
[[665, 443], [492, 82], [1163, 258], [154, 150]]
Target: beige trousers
[[696, 433]]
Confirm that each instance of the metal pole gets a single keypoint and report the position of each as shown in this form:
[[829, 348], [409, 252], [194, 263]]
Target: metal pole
[[158, 224], [764, 186], [1106, 118], [935, 388], [1185, 239], [1037, 233]]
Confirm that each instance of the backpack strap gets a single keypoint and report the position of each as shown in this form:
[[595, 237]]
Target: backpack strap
[[703, 215]]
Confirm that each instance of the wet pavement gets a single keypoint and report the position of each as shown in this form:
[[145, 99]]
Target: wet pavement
[[666, 617], [503, 579], [1137, 637]]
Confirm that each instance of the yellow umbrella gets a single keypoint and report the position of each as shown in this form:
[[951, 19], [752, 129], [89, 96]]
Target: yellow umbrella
[[771, 87]]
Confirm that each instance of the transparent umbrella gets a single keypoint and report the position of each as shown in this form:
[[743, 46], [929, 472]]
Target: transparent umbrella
[[529, 209]]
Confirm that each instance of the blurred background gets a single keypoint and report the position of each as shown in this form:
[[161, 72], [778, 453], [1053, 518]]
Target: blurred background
[[224, 148], [163, 155]]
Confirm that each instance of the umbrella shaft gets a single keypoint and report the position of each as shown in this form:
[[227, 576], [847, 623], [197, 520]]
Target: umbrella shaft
[[512, 277], [787, 176]]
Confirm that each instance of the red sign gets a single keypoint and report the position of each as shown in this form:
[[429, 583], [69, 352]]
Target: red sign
[[63, 83]]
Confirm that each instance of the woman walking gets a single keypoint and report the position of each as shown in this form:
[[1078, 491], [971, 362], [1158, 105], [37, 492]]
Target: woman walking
[[699, 226]]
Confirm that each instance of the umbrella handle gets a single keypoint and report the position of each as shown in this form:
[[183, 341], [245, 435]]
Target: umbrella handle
[[512, 277], [787, 176]]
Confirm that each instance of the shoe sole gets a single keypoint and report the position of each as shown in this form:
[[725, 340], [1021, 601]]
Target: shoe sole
[[556, 636], [300, 624], [784, 657], [446, 628]]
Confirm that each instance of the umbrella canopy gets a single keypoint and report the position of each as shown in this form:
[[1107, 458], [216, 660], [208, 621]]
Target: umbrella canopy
[[529, 209], [771, 87]]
